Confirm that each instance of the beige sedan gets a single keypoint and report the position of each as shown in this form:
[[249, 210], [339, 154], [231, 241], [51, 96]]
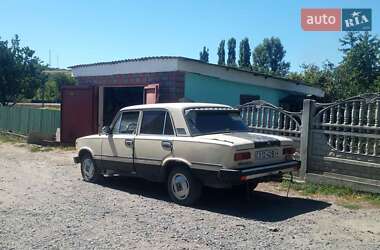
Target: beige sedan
[[187, 146]]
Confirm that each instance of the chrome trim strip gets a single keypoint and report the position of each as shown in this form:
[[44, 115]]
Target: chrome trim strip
[[206, 164], [147, 159], [286, 170], [206, 167], [147, 162], [292, 163], [117, 159]]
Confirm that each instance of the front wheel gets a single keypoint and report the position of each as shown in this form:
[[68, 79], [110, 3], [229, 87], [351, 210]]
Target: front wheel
[[183, 187], [89, 171]]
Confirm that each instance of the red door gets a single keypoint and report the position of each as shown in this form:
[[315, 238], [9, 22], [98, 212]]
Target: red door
[[151, 93], [79, 110]]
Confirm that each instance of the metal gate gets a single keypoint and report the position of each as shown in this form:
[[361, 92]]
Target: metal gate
[[263, 117]]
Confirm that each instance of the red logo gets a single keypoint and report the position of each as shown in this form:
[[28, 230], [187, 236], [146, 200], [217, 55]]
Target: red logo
[[321, 19]]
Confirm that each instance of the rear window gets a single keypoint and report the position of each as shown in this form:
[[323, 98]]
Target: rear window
[[202, 122]]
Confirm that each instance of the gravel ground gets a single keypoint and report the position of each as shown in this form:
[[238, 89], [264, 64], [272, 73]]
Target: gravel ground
[[45, 204]]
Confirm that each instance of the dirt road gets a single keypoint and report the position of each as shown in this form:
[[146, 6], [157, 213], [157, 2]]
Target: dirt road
[[45, 204]]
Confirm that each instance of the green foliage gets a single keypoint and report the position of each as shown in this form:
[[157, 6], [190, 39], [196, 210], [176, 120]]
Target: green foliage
[[322, 77], [244, 54], [268, 57], [20, 71], [203, 55], [51, 90], [221, 53], [231, 59], [357, 73]]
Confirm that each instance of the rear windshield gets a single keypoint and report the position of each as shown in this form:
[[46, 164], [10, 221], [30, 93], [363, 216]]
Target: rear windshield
[[202, 122]]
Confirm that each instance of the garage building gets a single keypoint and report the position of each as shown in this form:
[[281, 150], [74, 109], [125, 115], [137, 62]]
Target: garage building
[[103, 88]]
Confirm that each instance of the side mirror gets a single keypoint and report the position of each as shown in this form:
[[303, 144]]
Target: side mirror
[[106, 130]]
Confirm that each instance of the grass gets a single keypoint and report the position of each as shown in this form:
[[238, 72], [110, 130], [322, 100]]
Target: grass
[[7, 138], [21, 142], [38, 148], [347, 197]]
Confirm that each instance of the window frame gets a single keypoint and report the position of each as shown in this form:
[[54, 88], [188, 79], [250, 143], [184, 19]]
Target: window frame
[[163, 128], [119, 115]]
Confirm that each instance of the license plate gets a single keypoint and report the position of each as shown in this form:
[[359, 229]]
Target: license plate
[[266, 154]]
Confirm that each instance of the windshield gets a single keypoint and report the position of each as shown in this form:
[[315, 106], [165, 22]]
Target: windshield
[[202, 122]]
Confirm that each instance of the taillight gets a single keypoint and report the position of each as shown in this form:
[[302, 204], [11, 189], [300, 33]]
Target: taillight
[[242, 156], [288, 151]]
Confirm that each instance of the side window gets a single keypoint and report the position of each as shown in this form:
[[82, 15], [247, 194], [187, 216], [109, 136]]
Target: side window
[[168, 125], [127, 123], [153, 122]]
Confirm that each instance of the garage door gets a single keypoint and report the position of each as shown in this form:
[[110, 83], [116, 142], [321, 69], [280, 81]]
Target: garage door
[[78, 112]]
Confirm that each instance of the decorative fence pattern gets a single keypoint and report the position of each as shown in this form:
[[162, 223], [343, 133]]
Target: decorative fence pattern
[[344, 142], [263, 117], [339, 143], [24, 121], [352, 126]]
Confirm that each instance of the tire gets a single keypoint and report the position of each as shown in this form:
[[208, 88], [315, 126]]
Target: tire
[[90, 172], [183, 187]]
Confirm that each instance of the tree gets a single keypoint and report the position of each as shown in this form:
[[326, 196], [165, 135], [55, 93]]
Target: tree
[[20, 72], [244, 54], [62, 79], [322, 77], [221, 53], [51, 90], [359, 71], [231, 59], [203, 55], [268, 57]]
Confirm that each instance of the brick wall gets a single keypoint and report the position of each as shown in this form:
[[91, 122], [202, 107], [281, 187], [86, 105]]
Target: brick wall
[[171, 83]]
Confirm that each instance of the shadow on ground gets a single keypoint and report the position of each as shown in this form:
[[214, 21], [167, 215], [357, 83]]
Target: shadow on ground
[[262, 206]]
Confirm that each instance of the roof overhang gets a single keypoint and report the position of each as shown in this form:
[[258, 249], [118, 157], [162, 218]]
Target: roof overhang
[[169, 64]]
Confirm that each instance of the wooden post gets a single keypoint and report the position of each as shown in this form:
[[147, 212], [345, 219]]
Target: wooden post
[[307, 115]]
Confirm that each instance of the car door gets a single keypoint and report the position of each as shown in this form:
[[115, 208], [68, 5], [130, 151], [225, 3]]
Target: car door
[[153, 143], [118, 146]]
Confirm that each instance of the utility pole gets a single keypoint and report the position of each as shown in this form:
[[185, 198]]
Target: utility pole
[[49, 58]]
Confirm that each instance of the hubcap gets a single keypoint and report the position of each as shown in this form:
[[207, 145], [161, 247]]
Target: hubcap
[[180, 186], [88, 169]]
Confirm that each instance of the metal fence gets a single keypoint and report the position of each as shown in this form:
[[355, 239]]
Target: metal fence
[[22, 120]]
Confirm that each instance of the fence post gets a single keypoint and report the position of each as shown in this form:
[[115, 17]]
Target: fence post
[[307, 115]]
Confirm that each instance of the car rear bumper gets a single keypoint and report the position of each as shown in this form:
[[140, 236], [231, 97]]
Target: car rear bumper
[[235, 176]]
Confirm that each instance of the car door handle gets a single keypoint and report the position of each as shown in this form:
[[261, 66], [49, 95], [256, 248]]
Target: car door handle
[[128, 142], [167, 145]]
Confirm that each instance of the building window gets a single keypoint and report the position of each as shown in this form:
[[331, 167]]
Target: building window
[[248, 98]]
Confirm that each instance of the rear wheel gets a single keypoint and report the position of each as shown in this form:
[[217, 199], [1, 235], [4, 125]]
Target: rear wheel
[[183, 187], [90, 172]]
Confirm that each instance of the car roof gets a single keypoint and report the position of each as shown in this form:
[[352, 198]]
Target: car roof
[[176, 106]]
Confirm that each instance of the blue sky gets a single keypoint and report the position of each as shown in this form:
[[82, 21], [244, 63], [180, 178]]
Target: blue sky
[[92, 31]]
